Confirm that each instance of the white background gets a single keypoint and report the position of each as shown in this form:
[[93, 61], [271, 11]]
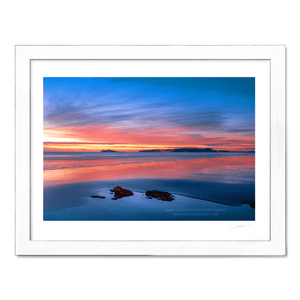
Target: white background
[[255, 22], [141, 230]]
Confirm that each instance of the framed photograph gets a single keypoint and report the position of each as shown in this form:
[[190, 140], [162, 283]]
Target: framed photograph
[[150, 150]]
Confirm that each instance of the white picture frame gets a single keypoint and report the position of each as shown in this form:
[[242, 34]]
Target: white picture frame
[[274, 245]]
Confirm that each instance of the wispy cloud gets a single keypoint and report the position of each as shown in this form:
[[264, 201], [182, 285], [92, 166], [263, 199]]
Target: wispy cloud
[[166, 111]]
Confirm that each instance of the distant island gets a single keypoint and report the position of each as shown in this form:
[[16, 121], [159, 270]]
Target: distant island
[[108, 150], [191, 150]]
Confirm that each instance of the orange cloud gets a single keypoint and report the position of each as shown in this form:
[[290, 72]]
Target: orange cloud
[[97, 138]]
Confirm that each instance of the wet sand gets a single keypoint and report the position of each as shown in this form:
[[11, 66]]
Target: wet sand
[[139, 207]]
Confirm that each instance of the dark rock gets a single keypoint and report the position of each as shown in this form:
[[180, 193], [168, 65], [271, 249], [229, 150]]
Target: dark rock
[[101, 197], [120, 192], [113, 198], [164, 196], [252, 205]]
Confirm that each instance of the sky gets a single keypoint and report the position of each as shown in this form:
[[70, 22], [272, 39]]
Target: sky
[[140, 113]]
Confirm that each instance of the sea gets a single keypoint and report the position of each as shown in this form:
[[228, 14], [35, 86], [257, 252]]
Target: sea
[[205, 186]]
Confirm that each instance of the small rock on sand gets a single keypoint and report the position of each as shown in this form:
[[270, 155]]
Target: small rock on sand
[[164, 196], [120, 192]]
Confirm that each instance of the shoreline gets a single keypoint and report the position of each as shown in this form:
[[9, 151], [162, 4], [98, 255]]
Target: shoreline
[[229, 194]]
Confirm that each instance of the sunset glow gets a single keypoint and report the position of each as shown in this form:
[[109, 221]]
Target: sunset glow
[[133, 114], [69, 170]]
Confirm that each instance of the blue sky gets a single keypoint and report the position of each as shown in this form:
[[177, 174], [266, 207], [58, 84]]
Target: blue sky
[[207, 107]]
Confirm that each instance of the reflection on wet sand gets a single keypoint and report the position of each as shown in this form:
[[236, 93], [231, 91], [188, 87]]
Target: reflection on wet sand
[[229, 169], [220, 179]]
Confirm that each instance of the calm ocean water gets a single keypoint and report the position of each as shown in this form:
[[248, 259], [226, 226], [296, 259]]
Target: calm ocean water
[[71, 178]]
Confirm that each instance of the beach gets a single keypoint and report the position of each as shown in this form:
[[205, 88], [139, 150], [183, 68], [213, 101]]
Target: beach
[[205, 186], [141, 208]]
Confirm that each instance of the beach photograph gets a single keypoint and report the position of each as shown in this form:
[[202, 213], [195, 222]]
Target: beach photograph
[[149, 149]]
